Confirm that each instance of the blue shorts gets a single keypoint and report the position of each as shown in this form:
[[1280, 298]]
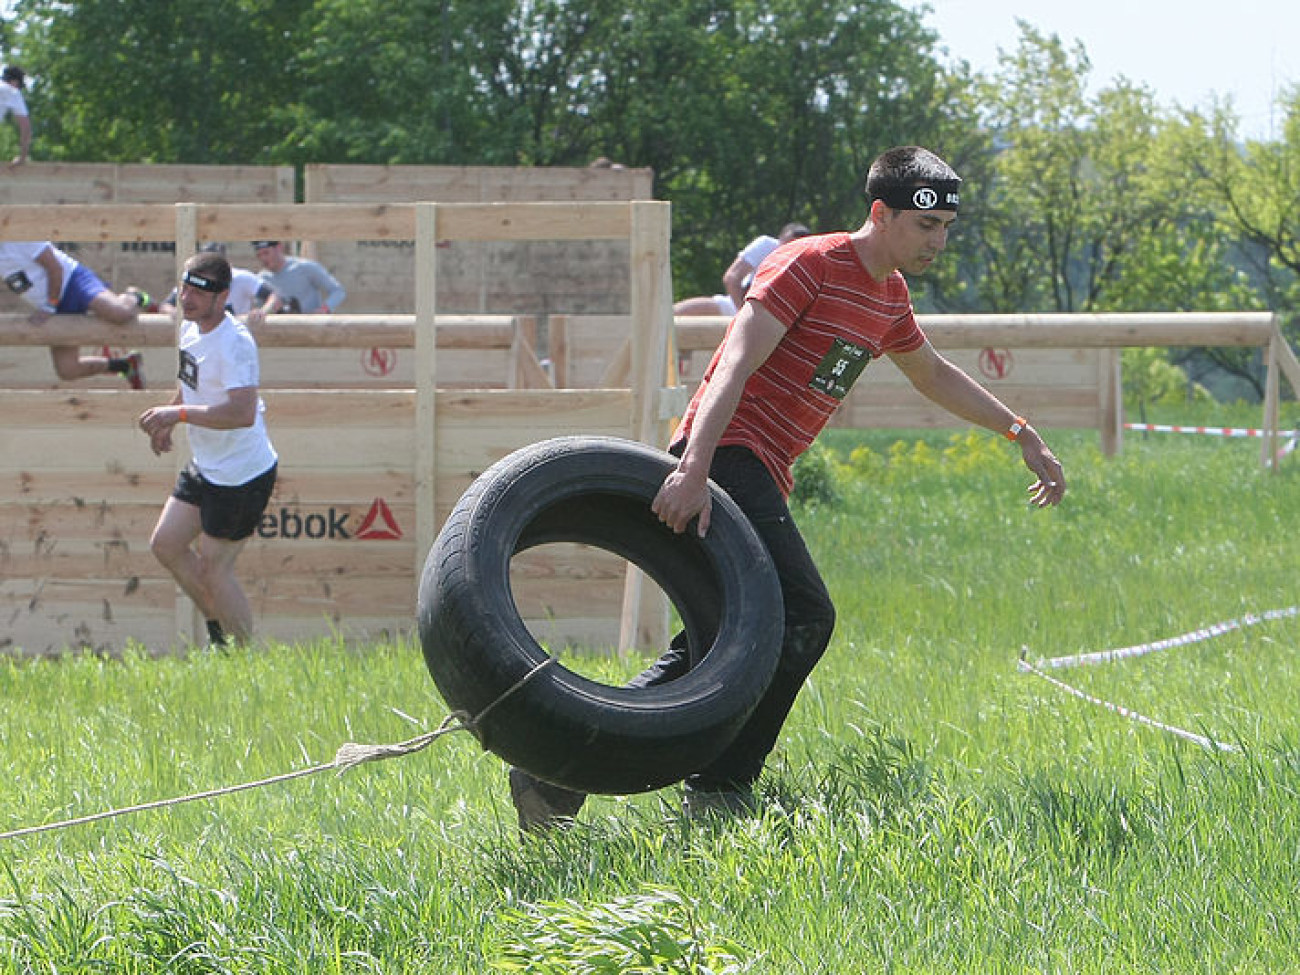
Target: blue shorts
[[82, 288]]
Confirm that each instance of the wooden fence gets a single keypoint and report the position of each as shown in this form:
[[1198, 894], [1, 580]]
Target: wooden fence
[[533, 277], [367, 474], [1060, 370], [145, 263], [370, 472], [299, 351]]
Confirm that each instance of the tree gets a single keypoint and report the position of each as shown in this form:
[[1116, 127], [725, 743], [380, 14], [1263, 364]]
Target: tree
[[1257, 188], [158, 80], [1088, 209], [754, 114]]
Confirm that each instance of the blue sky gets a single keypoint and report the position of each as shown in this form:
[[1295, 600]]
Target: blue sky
[[1185, 52]]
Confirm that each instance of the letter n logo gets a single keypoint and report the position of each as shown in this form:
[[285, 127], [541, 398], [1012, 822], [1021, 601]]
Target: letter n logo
[[379, 523]]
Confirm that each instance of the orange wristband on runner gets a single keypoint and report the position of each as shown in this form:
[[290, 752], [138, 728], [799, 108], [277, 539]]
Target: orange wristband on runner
[[185, 416], [1018, 424]]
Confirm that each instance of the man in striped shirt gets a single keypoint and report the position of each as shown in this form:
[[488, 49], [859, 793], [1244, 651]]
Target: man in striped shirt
[[819, 310]]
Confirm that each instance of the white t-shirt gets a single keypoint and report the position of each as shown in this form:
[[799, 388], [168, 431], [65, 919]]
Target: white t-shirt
[[11, 101], [24, 276], [244, 286], [752, 254], [212, 363], [755, 252]]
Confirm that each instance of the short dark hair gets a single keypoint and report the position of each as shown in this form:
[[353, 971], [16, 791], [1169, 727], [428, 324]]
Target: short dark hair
[[212, 268], [14, 73], [904, 167], [793, 231]]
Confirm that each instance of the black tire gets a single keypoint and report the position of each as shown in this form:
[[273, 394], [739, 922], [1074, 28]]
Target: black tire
[[560, 726]]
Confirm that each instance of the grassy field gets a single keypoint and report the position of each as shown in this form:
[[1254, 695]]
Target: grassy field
[[929, 808]]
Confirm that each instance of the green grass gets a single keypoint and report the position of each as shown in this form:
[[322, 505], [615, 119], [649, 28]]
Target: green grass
[[929, 808]]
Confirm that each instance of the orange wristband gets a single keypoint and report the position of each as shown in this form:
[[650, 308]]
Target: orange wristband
[[1018, 424], [185, 417]]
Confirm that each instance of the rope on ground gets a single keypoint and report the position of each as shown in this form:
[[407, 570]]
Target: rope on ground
[[349, 756], [1129, 713], [1195, 636]]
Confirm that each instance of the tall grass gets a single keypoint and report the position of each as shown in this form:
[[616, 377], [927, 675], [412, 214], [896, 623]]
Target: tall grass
[[929, 808]]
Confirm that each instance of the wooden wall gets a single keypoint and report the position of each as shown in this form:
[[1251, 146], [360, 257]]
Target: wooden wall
[[507, 277], [148, 264], [511, 277], [367, 474]]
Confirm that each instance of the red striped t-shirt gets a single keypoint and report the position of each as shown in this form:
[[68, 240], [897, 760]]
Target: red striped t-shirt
[[837, 318]]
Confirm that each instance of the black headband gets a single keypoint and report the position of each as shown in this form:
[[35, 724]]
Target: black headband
[[938, 195], [202, 283]]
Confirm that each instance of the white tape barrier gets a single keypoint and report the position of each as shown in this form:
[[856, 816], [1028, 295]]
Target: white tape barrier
[[1212, 431], [1196, 636], [1105, 656], [1129, 713]]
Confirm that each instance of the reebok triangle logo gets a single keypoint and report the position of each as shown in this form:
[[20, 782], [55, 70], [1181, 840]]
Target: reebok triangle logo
[[379, 523]]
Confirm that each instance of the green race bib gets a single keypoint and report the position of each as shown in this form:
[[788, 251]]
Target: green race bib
[[840, 369]]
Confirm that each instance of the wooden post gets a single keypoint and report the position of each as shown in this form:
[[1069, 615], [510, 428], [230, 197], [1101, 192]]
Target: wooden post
[[311, 178], [426, 362], [1110, 388], [650, 346], [189, 620], [1268, 456]]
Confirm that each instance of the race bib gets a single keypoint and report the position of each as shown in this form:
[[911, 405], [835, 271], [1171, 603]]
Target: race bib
[[189, 370], [840, 369]]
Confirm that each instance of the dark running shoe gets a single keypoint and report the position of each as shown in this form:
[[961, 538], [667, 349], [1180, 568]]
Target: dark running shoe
[[540, 805], [134, 370]]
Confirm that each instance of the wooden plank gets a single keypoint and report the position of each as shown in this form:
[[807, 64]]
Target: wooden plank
[[95, 451], [145, 593], [426, 455], [1098, 331], [386, 368], [318, 221], [328, 182], [110, 221], [334, 408], [48, 183], [78, 407], [533, 221], [26, 522], [344, 331], [167, 183], [114, 487]]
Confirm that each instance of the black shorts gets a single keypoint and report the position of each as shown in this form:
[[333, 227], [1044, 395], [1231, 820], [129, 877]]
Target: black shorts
[[232, 512]]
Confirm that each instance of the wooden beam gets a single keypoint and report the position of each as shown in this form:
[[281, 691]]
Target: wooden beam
[[1098, 331], [280, 331], [426, 394], [317, 221]]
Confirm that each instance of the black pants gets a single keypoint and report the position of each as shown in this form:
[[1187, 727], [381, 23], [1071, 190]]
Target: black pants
[[809, 620]]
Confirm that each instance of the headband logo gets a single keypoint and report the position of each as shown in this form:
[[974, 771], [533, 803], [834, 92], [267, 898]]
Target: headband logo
[[925, 198], [200, 282]]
